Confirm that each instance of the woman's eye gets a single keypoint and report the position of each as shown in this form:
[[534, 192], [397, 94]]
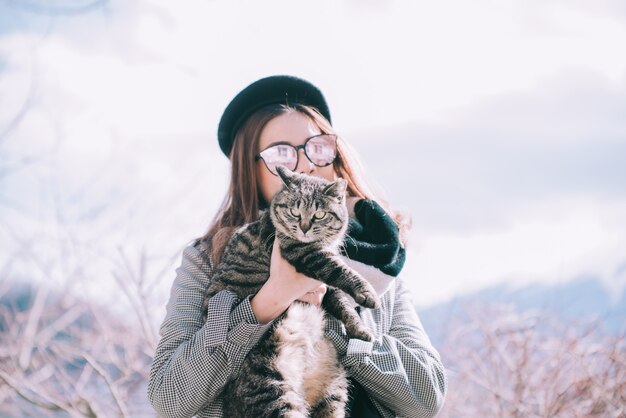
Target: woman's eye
[[319, 214], [294, 212]]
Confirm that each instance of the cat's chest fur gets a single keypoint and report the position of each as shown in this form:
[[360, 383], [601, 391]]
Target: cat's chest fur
[[305, 358]]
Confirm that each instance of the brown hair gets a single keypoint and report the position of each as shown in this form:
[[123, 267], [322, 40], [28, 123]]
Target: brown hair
[[243, 200]]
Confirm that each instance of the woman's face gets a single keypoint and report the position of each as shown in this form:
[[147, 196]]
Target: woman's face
[[294, 128]]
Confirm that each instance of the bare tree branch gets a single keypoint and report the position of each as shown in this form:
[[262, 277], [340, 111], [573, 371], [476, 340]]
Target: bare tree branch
[[112, 387], [49, 405]]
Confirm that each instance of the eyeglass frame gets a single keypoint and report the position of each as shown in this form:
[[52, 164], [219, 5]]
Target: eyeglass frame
[[258, 156]]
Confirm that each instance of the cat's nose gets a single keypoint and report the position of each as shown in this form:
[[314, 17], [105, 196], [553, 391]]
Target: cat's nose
[[305, 227]]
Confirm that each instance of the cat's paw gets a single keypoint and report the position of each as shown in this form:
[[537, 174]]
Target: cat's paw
[[367, 297], [360, 333], [355, 328]]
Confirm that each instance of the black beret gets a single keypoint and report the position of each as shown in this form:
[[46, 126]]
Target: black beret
[[266, 91]]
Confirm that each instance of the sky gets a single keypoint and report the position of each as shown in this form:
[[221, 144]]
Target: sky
[[499, 127]]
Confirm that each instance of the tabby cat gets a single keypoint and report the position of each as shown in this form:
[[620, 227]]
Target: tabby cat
[[294, 370]]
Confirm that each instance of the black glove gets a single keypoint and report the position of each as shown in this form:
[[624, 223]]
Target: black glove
[[374, 239]]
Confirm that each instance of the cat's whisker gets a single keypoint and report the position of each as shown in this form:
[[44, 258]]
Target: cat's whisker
[[268, 239], [347, 236]]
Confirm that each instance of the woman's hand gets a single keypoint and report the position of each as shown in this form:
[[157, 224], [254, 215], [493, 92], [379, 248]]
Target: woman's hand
[[284, 274], [284, 286], [315, 296]]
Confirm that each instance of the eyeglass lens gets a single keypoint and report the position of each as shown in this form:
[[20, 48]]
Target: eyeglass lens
[[321, 150]]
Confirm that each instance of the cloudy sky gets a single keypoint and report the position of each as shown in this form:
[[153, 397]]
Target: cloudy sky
[[500, 127]]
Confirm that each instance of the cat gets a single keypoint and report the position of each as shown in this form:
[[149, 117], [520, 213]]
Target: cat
[[294, 371]]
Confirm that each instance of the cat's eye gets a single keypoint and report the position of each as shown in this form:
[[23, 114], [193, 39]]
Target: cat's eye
[[294, 212], [319, 214]]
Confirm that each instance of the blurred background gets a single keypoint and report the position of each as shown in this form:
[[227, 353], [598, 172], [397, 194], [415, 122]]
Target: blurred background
[[498, 126]]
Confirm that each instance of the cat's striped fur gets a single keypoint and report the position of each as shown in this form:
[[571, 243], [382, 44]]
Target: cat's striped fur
[[294, 371]]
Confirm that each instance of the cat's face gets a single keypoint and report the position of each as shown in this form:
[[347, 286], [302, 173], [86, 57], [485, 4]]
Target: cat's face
[[310, 209]]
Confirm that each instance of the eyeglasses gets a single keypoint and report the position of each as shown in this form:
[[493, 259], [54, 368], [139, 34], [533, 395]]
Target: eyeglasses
[[321, 150]]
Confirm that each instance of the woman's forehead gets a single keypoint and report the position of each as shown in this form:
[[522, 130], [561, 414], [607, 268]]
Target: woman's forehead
[[293, 127]]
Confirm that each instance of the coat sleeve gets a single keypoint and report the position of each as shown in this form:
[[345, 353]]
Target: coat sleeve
[[401, 369], [194, 359]]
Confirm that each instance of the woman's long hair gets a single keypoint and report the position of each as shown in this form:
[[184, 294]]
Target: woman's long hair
[[243, 200]]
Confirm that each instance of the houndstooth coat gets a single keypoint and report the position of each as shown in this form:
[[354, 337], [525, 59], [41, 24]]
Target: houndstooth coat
[[400, 370]]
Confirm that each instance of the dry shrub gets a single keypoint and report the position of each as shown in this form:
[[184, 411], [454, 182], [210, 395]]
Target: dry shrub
[[506, 363]]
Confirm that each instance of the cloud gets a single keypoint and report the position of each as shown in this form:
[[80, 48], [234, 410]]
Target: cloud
[[523, 187], [501, 122], [567, 240], [422, 62], [483, 166]]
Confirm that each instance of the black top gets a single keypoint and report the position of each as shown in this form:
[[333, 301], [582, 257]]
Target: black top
[[359, 404]]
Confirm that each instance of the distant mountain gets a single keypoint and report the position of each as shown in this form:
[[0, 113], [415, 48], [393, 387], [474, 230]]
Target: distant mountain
[[580, 300]]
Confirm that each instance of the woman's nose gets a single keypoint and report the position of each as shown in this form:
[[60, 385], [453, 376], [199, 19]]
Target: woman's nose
[[304, 164]]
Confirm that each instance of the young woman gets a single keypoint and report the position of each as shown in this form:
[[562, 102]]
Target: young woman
[[285, 120]]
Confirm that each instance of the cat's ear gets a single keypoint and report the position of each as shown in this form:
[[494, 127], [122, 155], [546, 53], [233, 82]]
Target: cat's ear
[[285, 174], [337, 189]]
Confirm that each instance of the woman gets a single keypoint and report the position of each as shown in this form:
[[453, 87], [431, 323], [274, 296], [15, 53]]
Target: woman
[[285, 120]]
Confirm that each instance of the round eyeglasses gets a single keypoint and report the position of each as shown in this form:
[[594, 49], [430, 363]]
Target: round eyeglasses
[[321, 150]]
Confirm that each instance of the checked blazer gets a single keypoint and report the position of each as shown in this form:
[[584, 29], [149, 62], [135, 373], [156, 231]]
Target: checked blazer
[[400, 370]]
